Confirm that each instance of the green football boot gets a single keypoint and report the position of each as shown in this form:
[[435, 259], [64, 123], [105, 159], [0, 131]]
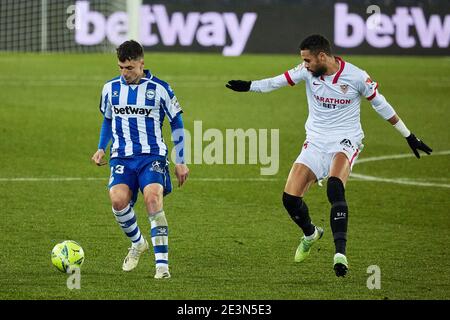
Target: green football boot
[[340, 265], [304, 247]]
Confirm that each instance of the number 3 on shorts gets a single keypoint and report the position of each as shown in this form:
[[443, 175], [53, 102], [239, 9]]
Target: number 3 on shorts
[[119, 169]]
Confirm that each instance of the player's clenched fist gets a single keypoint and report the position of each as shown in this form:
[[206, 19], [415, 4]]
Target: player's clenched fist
[[98, 157]]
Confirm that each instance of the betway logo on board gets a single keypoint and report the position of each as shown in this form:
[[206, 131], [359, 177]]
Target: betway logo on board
[[381, 30], [157, 26]]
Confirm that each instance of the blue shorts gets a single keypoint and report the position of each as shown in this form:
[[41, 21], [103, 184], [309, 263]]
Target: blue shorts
[[139, 171]]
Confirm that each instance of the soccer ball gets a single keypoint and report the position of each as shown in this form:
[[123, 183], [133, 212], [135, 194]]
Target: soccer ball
[[67, 254]]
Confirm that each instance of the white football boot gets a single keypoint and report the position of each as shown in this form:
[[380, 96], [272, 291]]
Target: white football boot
[[132, 258], [162, 273]]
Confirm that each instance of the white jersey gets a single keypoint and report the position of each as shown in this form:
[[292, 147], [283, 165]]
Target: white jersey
[[137, 112], [333, 101]]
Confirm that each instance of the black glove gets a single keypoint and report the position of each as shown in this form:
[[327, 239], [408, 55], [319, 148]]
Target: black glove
[[417, 144], [238, 85]]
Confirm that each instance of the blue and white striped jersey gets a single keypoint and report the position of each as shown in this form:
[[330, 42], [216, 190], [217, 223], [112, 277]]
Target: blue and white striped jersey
[[137, 112]]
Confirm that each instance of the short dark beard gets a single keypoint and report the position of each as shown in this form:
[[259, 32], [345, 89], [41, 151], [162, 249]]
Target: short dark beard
[[319, 72]]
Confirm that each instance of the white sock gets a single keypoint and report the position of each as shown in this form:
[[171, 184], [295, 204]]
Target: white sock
[[312, 236]]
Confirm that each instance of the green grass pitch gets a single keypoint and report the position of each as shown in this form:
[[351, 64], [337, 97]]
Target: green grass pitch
[[228, 239]]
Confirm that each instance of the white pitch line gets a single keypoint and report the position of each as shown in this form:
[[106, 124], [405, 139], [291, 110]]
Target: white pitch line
[[353, 176], [408, 181], [398, 156], [399, 181]]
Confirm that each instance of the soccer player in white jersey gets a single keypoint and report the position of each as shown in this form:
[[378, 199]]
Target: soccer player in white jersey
[[134, 106], [333, 136]]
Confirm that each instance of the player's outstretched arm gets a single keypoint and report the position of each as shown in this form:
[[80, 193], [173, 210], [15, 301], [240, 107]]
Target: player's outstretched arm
[[269, 84], [414, 143]]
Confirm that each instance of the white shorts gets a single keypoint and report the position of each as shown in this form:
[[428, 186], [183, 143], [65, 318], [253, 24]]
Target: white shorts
[[318, 156]]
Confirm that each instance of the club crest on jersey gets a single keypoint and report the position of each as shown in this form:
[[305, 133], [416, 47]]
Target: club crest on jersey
[[344, 88], [115, 93], [150, 94]]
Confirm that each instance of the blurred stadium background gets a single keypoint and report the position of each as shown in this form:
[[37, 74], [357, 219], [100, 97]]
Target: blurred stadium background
[[230, 237]]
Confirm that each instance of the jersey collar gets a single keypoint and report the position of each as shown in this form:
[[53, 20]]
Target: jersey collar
[[338, 73], [148, 74], [341, 68]]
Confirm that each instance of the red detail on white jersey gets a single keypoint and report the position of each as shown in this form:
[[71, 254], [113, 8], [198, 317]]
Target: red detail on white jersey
[[341, 68], [305, 145], [354, 156], [374, 93], [289, 79]]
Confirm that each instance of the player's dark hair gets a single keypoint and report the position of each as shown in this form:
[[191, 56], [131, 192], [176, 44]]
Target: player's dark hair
[[130, 50], [316, 43]]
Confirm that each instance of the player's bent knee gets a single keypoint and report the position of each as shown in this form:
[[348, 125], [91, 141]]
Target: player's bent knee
[[119, 199], [335, 190], [154, 200], [119, 204]]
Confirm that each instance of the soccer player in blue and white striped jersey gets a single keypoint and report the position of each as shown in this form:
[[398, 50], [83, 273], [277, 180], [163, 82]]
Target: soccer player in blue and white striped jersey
[[134, 106]]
